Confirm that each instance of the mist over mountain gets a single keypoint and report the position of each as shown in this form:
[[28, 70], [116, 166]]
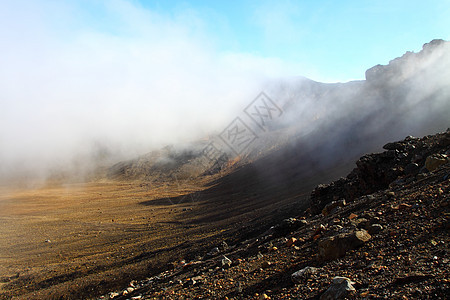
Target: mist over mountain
[[310, 126], [333, 122]]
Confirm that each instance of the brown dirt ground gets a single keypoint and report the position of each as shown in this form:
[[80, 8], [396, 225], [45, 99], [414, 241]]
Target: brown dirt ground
[[79, 240]]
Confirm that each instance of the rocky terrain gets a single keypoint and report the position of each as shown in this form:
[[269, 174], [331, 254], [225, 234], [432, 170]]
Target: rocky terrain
[[379, 233], [268, 222]]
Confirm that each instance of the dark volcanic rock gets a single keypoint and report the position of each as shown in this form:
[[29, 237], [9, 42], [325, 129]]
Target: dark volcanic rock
[[375, 172], [288, 225], [298, 276], [412, 169], [341, 288], [332, 207]]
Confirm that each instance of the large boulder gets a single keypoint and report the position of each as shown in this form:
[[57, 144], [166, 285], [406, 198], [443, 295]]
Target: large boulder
[[336, 246], [435, 161]]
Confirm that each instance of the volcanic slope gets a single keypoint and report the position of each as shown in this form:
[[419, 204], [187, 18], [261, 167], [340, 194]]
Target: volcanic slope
[[79, 240], [384, 241]]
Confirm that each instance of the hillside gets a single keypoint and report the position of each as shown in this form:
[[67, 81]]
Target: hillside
[[142, 217], [388, 240], [312, 127]]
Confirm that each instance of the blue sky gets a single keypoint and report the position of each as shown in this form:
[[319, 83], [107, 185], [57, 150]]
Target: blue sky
[[332, 40], [324, 40], [138, 75]]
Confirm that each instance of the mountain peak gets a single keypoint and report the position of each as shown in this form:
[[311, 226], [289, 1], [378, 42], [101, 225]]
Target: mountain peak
[[402, 67]]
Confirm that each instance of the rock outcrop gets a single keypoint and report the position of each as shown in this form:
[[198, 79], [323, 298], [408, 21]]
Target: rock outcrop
[[401, 163]]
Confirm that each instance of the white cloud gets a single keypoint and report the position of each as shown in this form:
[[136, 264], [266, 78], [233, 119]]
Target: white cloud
[[136, 80], [279, 21]]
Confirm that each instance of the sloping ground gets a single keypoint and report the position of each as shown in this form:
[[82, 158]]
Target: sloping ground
[[105, 234], [166, 206], [78, 240], [389, 244]]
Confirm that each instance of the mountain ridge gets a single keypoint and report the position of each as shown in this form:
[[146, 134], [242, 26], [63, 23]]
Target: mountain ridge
[[343, 120]]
